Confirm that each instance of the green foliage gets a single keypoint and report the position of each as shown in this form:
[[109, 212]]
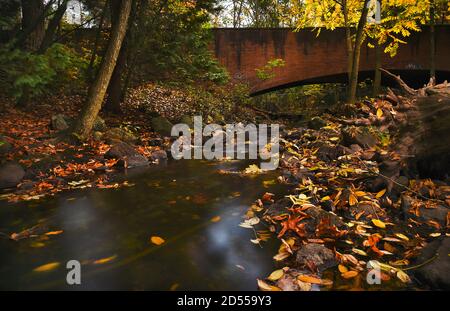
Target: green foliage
[[267, 71], [35, 74]]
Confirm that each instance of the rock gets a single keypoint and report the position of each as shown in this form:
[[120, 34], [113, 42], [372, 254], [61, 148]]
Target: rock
[[97, 136], [315, 256], [327, 152], [118, 134], [5, 146], [316, 123], [279, 207], [10, 175], [360, 136], [188, 120], [435, 273], [158, 155], [317, 215], [99, 125], [59, 122], [128, 157], [162, 126]]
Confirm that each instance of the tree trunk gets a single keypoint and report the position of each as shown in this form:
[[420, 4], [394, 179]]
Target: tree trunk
[[377, 73], [356, 52], [96, 43], [97, 90], [53, 26], [33, 26], [432, 42], [348, 40]]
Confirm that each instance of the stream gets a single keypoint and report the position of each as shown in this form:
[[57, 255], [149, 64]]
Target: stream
[[190, 205]]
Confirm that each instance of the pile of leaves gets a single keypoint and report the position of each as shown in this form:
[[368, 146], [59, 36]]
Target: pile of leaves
[[339, 223]]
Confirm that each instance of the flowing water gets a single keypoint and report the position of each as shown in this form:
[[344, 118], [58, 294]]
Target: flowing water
[[180, 202]]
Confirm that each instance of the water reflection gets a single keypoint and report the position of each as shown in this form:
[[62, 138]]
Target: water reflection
[[176, 202]]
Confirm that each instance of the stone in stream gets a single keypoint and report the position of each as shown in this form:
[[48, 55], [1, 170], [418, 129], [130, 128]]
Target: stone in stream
[[316, 215], [315, 255], [11, 174], [158, 155], [128, 157], [434, 273]]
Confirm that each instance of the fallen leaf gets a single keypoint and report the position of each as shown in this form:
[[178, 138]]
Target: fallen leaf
[[54, 232], [342, 268], [349, 274], [157, 240], [379, 223], [215, 219], [379, 113], [309, 279], [380, 194], [47, 267], [266, 287], [104, 260], [276, 275]]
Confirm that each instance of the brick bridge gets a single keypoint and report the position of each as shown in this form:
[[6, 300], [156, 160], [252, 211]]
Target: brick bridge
[[310, 59]]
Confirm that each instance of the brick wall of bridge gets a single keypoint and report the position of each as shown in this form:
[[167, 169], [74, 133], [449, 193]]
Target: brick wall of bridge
[[310, 58]]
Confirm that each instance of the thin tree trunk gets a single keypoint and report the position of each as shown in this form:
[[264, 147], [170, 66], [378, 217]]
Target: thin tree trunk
[[52, 27], [377, 73], [348, 40], [356, 53], [432, 42], [96, 43], [97, 90]]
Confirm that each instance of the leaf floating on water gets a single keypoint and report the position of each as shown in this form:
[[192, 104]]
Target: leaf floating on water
[[281, 256], [379, 223], [47, 267], [266, 287], [276, 275], [249, 223], [54, 232], [215, 219], [157, 240], [252, 169], [435, 235], [104, 260]]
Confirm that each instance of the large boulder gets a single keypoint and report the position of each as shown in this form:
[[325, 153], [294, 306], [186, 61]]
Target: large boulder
[[162, 126], [128, 157], [11, 175], [59, 122], [116, 134], [436, 271], [315, 256]]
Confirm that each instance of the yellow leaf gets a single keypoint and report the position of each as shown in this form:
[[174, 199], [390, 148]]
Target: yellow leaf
[[47, 267], [276, 275], [360, 193], [104, 260], [309, 279], [380, 194], [349, 274], [352, 200], [402, 276], [402, 236], [435, 235], [157, 240], [359, 251], [266, 287], [379, 223], [54, 232], [215, 219], [342, 268], [379, 113]]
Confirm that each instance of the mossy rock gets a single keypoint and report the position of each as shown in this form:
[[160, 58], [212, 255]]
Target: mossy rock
[[162, 126], [119, 134]]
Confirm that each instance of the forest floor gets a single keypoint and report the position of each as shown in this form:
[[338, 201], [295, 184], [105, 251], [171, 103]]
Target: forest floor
[[346, 214]]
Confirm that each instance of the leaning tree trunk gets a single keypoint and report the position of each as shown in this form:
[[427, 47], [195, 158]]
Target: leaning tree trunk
[[53, 26], [356, 52], [96, 94], [33, 24]]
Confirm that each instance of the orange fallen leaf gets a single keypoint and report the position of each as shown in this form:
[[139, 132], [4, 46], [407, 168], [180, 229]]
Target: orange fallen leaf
[[349, 274], [47, 267], [215, 219], [309, 279], [54, 232], [157, 240], [104, 260]]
